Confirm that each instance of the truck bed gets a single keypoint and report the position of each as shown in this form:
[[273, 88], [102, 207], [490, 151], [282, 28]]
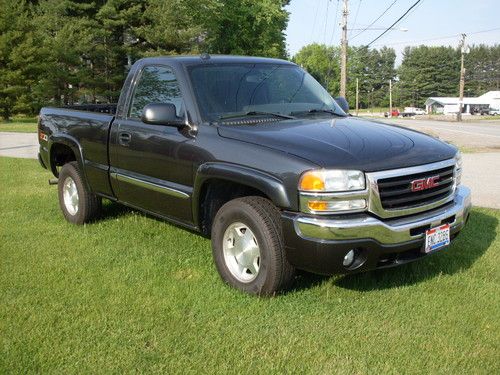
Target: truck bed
[[85, 129], [100, 108]]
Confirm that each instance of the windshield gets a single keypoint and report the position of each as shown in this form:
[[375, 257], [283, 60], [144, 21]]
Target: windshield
[[229, 90]]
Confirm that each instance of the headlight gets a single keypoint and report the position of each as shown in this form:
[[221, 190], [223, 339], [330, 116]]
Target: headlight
[[458, 168], [332, 191], [334, 180]]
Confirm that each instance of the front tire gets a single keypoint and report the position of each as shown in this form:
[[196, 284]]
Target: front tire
[[78, 204], [247, 246]]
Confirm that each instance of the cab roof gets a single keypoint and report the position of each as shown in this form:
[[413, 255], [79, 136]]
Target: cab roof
[[211, 59]]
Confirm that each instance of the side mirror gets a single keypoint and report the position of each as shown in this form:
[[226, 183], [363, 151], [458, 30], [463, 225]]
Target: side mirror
[[342, 102], [161, 114]]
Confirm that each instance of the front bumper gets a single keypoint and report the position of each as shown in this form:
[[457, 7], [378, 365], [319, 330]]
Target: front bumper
[[319, 244]]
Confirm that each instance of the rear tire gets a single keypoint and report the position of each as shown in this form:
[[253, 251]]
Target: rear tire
[[78, 204], [247, 246]]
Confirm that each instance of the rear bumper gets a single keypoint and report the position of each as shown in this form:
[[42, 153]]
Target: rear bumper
[[319, 244]]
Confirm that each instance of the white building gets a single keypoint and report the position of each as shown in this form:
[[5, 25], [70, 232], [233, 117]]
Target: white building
[[449, 105]]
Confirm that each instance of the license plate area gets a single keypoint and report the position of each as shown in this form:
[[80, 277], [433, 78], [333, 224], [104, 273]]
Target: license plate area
[[436, 238]]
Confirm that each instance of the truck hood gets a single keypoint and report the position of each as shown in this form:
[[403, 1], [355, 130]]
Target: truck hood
[[345, 143]]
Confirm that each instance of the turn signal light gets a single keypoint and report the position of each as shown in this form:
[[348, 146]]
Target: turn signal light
[[318, 205], [332, 206], [332, 180], [312, 181]]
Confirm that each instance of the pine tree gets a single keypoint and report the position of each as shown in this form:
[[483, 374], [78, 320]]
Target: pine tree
[[14, 29], [428, 71], [482, 70]]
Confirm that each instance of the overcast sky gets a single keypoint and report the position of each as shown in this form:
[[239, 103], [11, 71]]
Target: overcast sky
[[318, 21]]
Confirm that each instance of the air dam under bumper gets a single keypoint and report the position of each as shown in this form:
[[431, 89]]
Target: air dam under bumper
[[319, 244]]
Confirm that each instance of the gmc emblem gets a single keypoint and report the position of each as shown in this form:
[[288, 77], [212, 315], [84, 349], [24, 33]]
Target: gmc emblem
[[424, 183]]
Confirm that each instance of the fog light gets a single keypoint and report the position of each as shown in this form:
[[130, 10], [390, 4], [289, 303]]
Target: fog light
[[349, 258]]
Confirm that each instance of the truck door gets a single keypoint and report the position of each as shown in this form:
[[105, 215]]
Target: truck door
[[150, 166]]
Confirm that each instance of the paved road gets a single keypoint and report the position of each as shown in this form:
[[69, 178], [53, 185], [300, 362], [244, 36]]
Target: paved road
[[19, 145], [475, 135], [482, 175], [481, 170]]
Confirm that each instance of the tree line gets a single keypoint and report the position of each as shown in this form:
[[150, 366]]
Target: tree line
[[66, 51], [55, 52], [424, 72]]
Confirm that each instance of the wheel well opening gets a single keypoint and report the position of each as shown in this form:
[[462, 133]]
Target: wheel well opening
[[59, 155], [214, 194]]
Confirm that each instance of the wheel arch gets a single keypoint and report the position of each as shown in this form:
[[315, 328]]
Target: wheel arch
[[64, 149], [217, 183]]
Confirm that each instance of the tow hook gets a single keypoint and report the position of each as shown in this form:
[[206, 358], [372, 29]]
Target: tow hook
[[53, 181]]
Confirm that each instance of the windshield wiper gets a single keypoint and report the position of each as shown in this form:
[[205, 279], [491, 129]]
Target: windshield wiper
[[319, 110], [256, 113]]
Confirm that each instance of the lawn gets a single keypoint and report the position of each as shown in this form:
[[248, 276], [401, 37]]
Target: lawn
[[370, 110], [133, 294], [19, 124]]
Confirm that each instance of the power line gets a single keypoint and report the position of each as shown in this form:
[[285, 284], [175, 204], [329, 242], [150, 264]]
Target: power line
[[331, 40], [356, 15], [462, 78], [334, 22], [437, 38], [399, 19], [379, 17], [482, 31], [315, 17], [326, 20], [343, 50], [413, 10]]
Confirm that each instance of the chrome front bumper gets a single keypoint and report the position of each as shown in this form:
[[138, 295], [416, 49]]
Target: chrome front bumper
[[389, 231]]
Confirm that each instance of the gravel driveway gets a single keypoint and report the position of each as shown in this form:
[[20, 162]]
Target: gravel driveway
[[481, 170]]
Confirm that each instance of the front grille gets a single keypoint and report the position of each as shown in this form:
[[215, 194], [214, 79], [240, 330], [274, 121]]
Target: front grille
[[395, 192]]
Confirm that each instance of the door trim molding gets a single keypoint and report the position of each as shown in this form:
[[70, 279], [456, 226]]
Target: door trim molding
[[149, 185]]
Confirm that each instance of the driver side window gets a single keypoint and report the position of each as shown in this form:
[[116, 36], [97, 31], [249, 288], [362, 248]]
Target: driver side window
[[157, 84]]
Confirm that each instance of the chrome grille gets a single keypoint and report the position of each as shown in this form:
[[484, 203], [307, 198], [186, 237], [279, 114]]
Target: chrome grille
[[396, 193], [391, 194]]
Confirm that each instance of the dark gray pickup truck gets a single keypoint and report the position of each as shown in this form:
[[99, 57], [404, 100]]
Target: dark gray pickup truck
[[254, 153]]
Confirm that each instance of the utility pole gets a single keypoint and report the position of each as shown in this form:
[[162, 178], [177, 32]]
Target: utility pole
[[390, 98], [343, 57], [462, 79], [357, 96]]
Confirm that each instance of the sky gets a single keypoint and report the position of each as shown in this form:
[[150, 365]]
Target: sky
[[317, 21]]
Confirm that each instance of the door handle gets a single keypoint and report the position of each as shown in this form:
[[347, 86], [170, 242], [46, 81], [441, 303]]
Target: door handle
[[124, 138]]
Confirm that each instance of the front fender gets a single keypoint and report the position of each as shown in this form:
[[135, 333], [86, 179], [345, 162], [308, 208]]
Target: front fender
[[268, 184]]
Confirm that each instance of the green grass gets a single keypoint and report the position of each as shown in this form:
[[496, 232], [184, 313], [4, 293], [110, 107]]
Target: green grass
[[370, 110], [487, 117], [20, 125], [133, 294]]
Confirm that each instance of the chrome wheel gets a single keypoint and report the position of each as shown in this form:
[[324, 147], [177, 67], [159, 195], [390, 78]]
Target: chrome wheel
[[241, 252], [70, 195]]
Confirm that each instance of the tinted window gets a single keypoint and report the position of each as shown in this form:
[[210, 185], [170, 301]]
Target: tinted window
[[157, 84], [223, 89]]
